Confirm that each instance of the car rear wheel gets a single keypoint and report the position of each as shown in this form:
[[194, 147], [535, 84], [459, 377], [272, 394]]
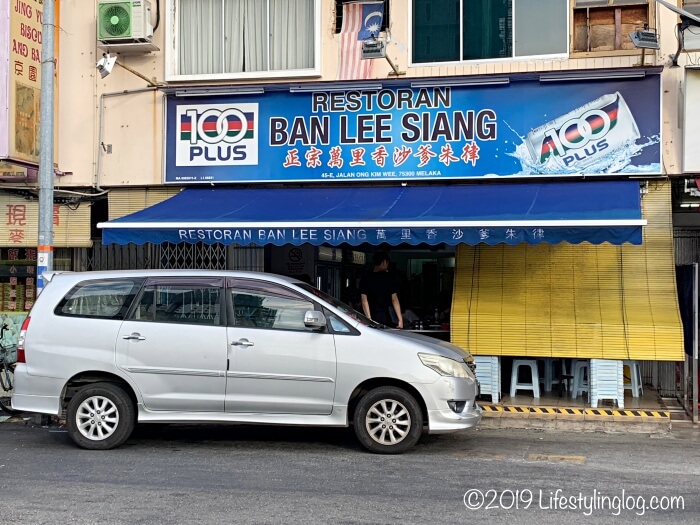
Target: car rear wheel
[[100, 416], [388, 420]]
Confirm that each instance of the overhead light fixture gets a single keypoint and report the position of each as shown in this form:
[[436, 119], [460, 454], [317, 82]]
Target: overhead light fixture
[[607, 75], [337, 86], [645, 38], [207, 92], [488, 81], [375, 47]]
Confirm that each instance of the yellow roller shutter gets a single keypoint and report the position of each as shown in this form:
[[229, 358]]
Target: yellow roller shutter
[[20, 223], [125, 201], [587, 301]]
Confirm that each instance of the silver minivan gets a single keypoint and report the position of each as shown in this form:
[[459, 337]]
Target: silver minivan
[[117, 348]]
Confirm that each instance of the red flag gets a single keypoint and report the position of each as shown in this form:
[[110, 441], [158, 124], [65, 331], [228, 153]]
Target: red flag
[[357, 19]]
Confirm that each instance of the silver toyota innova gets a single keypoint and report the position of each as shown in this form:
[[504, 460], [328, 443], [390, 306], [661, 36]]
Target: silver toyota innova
[[118, 348]]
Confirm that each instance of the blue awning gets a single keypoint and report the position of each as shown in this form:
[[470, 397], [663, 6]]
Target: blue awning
[[534, 213]]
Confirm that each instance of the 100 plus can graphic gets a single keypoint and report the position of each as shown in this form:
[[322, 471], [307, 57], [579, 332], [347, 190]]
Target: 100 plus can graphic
[[581, 137]]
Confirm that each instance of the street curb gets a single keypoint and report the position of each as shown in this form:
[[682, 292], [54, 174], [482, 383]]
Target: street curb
[[576, 411], [575, 419]]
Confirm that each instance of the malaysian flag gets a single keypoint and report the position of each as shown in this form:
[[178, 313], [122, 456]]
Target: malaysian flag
[[361, 21]]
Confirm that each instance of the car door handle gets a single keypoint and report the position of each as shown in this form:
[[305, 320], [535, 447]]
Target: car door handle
[[242, 342], [135, 336]]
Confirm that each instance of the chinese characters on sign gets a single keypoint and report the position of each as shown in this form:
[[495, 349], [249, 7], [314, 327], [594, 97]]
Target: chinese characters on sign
[[17, 279], [420, 131], [25, 21], [16, 220], [19, 220]]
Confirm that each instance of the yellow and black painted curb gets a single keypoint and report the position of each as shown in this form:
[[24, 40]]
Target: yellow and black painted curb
[[570, 411]]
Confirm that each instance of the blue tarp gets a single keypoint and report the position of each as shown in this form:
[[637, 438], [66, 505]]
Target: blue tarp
[[534, 213]]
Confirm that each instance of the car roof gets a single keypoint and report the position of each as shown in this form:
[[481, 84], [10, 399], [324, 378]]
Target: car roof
[[117, 274]]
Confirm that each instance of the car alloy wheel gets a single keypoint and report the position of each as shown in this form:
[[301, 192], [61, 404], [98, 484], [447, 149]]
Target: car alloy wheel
[[97, 418], [100, 416], [388, 422]]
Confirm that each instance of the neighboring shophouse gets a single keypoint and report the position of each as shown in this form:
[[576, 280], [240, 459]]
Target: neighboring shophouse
[[521, 159]]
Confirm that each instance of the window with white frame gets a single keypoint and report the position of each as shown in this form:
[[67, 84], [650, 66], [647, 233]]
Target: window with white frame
[[241, 36], [461, 30]]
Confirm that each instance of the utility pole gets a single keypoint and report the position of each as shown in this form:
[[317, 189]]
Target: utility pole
[[46, 126]]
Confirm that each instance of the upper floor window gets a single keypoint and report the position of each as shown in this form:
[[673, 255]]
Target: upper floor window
[[224, 37], [605, 25], [458, 30], [339, 15]]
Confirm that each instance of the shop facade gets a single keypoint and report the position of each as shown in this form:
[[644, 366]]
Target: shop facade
[[522, 212], [537, 141]]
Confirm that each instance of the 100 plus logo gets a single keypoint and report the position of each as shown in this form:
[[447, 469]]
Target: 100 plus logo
[[582, 136], [217, 135]]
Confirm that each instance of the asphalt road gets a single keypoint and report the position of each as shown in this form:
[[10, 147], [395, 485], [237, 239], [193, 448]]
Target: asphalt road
[[232, 474]]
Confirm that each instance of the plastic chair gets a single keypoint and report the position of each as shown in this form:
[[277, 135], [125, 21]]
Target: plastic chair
[[566, 376], [635, 384], [550, 377], [534, 386], [581, 373]]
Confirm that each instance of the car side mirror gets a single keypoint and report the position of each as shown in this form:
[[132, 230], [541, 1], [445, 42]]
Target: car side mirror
[[314, 319]]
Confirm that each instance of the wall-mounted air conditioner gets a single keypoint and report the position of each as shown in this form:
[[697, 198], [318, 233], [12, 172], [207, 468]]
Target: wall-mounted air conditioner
[[124, 22]]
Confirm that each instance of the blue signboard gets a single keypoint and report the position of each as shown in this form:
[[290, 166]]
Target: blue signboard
[[396, 131]]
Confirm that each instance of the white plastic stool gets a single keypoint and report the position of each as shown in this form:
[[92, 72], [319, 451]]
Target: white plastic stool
[[581, 373], [534, 386], [635, 384], [549, 378]]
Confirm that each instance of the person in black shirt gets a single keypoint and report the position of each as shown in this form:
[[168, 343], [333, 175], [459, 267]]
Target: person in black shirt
[[378, 293]]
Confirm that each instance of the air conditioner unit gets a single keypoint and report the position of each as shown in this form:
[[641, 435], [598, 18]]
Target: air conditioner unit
[[124, 22]]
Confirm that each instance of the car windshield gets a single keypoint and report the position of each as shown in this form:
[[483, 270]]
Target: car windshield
[[346, 309]]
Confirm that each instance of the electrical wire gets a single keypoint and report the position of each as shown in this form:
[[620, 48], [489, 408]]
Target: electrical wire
[[104, 192], [157, 16]]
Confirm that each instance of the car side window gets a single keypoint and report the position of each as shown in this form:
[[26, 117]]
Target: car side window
[[107, 299], [188, 304], [338, 325], [266, 305]]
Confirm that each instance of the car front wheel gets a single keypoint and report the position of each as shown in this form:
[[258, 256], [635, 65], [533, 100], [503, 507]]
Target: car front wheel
[[388, 420], [100, 416]]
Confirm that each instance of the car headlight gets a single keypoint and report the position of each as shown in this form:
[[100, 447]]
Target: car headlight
[[443, 365]]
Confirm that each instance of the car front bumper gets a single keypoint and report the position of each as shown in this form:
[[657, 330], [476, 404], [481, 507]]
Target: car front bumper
[[441, 418], [443, 421]]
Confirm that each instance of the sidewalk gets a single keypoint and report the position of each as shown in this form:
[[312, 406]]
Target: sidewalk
[[647, 414]]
